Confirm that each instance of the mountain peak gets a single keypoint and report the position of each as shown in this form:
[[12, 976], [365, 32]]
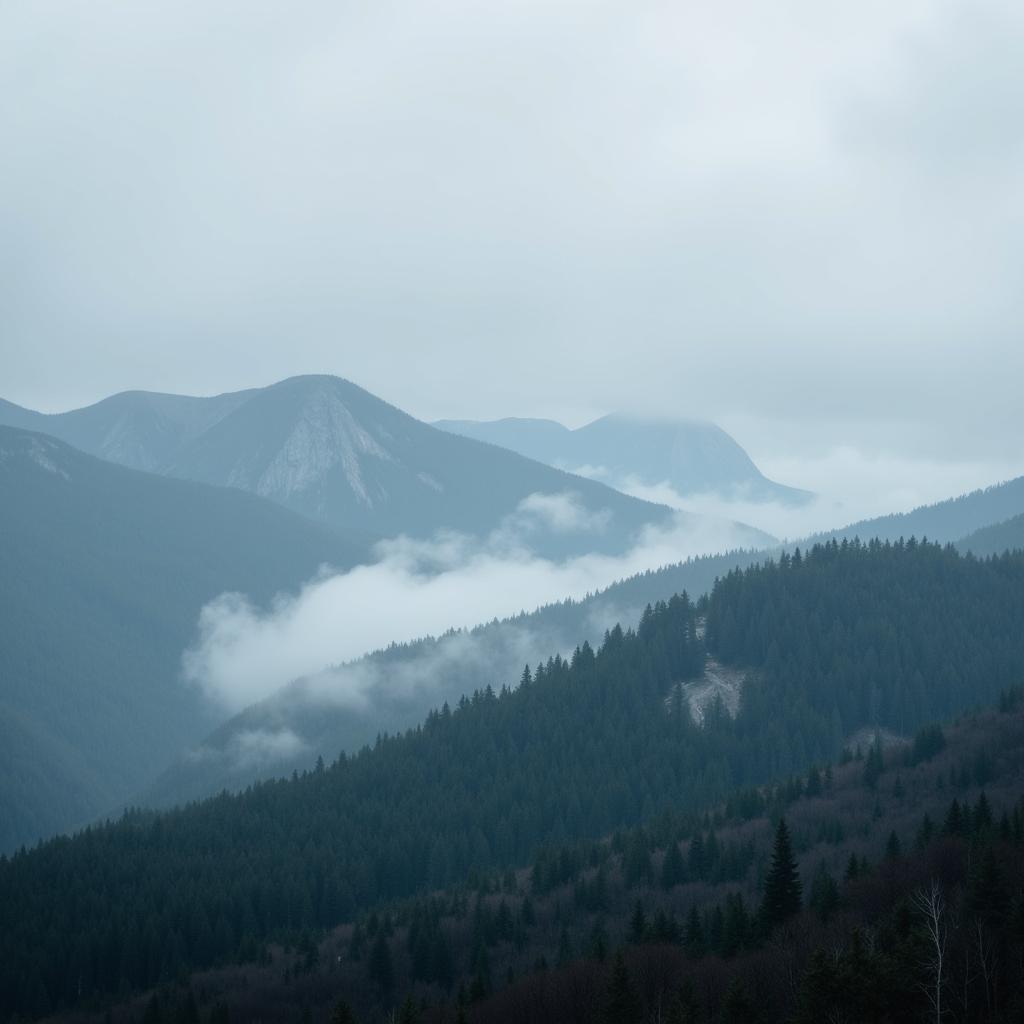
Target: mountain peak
[[327, 448], [626, 450]]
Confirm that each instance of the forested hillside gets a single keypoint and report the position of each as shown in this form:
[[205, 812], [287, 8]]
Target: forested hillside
[[405, 681], [945, 521], [104, 571], [807, 900], [883, 634], [432, 670], [994, 540], [579, 749]]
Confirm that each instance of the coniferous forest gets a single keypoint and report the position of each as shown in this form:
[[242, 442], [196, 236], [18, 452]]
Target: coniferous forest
[[889, 637]]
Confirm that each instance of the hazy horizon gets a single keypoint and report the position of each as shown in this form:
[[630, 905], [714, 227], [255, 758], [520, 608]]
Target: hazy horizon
[[803, 225]]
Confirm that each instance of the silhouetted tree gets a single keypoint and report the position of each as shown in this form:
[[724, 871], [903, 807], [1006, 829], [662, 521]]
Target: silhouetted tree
[[782, 889]]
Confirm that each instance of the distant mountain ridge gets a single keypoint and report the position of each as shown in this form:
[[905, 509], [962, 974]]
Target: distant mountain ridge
[[995, 539], [326, 448], [104, 572], [691, 456], [945, 521], [139, 429]]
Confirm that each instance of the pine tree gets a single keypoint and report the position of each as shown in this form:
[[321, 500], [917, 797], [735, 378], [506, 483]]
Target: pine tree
[[622, 1006], [696, 944], [987, 896], [638, 924], [342, 1013], [892, 846], [924, 833], [697, 858], [481, 985], [188, 1011], [408, 1012], [564, 947], [874, 765], [782, 890], [954, 824], [673, 869], [684, 1007], [153, 1013], [737, 1006], [526, 913], [381, 971], [824, 895]]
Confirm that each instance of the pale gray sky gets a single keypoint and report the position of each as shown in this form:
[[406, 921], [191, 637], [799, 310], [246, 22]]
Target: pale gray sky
[[804, 219]]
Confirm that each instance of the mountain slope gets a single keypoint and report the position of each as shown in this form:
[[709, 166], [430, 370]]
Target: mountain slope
[[692, 457], [581, 749], [401, 684], [138, 429], [330, 450], [946, 521], [105, 570], [994, 540], [542, 943], [333, 451]]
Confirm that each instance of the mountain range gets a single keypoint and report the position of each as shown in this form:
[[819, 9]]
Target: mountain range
[[110, 566], [327, 449], [689, 456], [122, 520]]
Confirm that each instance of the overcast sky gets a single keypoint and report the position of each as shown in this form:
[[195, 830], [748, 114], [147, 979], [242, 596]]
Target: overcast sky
[[804, 220]]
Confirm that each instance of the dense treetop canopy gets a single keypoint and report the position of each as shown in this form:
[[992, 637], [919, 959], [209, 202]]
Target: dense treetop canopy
[[839, 638]]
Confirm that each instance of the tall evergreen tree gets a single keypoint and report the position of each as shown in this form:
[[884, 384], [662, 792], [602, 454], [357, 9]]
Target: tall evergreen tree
[[622, 1006], [684, 1007], [673, 869], [874, 765], [696, 944], [782, 889], [380, 967], [342, 1013], [737, 1006]]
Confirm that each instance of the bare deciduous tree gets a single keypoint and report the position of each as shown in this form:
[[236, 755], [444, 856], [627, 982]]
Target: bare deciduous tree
[[932, 906], [988, 963]]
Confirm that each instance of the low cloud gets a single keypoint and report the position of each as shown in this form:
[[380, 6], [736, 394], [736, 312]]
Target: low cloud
[[253, 748], [245, 653], [848, 484], [562, 513], [460, 654]]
